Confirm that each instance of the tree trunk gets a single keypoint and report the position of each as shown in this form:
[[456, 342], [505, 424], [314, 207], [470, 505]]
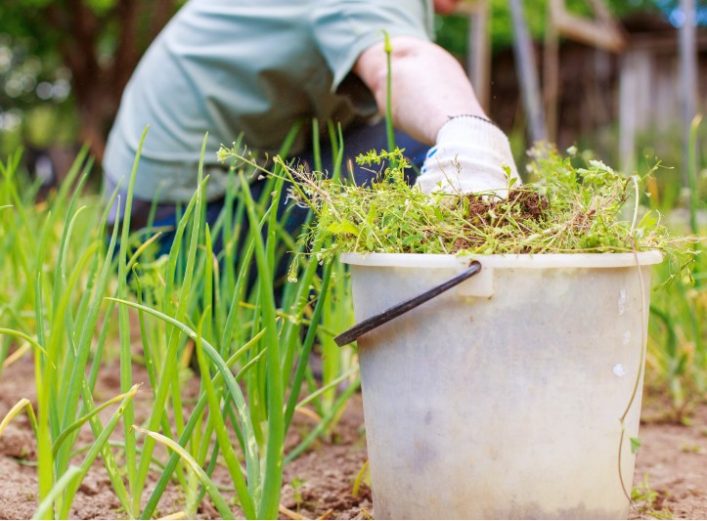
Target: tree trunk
[[97, 83], [527, 72], [688, 77]]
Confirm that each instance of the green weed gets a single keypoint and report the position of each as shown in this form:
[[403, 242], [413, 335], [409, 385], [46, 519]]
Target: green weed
[[649, 501]]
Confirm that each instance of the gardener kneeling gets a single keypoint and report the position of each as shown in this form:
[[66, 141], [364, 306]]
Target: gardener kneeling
[[236, 68]]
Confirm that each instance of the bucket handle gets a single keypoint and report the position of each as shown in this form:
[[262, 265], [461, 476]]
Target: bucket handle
[[389, 314]]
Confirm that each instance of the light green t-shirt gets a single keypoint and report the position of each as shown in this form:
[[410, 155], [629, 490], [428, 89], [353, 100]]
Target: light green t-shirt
[[254, 68]]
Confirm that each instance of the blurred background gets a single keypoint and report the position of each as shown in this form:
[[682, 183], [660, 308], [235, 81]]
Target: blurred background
[[622, 77]]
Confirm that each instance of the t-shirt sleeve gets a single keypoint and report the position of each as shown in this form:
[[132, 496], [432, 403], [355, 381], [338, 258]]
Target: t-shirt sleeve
[[343, 29]]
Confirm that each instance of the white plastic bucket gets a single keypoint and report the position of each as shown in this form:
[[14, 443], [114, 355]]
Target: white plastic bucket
[[503, 397]]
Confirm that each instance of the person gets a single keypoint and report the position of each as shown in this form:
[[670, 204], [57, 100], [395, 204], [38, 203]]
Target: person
[[252, 68]]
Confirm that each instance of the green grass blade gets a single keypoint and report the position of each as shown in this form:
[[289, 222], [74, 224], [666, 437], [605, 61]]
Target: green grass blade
[[231, 385], [272, 480], [95, 411], [211, 488], [95, 450], [191, 424], [23, 405], [232, 463], [126, 372], [66, 480], [335, 411], [307, 346]]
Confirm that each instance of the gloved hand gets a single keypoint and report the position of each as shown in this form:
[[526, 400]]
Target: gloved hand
[[471, 156]]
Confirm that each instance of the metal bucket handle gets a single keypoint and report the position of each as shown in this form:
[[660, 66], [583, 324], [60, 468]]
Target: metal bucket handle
[[389, 314]]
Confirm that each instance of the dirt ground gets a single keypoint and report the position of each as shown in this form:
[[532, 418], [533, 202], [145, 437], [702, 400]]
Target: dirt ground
[[671, 472], [671, 465]]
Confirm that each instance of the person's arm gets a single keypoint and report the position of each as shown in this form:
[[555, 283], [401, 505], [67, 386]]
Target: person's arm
[[428, 86], [434, 102]]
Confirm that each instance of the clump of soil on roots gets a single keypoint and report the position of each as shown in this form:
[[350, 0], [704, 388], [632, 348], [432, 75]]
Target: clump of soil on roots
[[522, 208]]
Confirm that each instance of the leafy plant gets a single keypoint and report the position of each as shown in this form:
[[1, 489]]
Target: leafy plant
[[649, 501], [54, 287], [678, 340], [250, 333]]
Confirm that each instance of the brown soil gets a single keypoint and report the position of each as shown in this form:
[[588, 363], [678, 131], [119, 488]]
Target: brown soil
[[671, 467], [522, 206], [671, 472]]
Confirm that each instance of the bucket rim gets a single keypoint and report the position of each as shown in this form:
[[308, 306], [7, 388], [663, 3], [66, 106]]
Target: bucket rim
[[523, 261]]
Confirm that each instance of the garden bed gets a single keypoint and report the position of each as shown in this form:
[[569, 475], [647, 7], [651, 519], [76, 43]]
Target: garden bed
[[671, 471]]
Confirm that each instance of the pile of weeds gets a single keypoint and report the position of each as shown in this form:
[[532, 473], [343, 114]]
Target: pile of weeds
[[572, 203]]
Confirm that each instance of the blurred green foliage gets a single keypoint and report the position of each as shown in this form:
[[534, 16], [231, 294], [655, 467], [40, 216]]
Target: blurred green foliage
[[35, 107], [64, 63], [452, 30]]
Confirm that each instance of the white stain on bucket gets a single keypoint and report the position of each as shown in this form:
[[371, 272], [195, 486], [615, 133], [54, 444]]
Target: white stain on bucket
[[627, 337], [622, 301], [619, 370]]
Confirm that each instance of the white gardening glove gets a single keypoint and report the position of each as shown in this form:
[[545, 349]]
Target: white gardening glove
[[471, 156]]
